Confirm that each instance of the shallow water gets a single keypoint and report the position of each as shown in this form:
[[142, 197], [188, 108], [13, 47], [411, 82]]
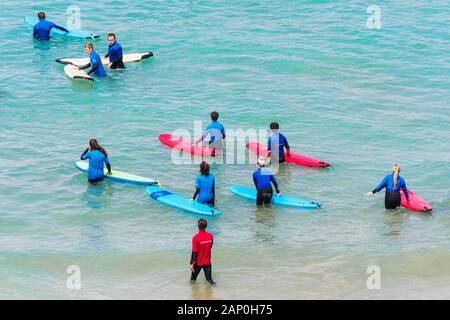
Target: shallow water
[[361, 99]]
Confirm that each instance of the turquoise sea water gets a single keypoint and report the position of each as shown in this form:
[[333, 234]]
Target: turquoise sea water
[[361, 99]]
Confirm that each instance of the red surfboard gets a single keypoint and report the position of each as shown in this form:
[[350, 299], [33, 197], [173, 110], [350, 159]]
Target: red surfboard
[[415, 203], [178, 143], [261, 149]]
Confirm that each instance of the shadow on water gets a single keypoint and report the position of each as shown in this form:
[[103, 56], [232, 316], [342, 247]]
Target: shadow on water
[[98, 195], [264, 224], [202, 290]]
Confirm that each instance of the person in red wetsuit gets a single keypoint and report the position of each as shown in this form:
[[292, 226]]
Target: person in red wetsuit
[[202, 243]]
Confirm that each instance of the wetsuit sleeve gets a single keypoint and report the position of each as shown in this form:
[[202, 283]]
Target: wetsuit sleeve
[[193, 257], [214, 189], [59, 28], [94, 68], [380, 186], [194, 250], [269, 144], [223, 132], [254, 180], [197, 191], [85, 66], [35, 32], [286, 143], [405, 190], [85, 156], [108, 164], [274, 181]]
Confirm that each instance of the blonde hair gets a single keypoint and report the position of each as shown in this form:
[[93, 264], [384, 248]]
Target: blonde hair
[[396, 170], [89, 45]]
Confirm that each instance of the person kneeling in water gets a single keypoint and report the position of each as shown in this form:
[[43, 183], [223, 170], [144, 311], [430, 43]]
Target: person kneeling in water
[[393, 183], [262, 179], [95, 62], [205, 186], [97, 156]]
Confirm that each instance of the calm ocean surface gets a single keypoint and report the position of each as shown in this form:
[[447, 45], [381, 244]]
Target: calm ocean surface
[[361, 99]]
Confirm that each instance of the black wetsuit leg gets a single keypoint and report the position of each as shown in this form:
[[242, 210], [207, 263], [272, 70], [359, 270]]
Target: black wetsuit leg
[[392, 200], [118, 64], [194, 274], [95, 180], [264, 196], [208, 276]]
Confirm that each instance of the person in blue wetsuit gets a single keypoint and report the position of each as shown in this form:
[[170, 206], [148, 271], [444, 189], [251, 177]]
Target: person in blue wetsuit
[[41, 30], [114, 54], [393, 183], [216, 131], [205, 186], [276, 145], [263, 179], [97, 156], [95, 62]]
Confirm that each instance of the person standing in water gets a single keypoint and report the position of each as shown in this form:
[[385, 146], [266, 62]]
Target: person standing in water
[[205, 186], [276, 144], [393, 183], [97, 156], [263, 179], [216, 131], [202, 244], [41, 30], [114, 54], [95, 62]]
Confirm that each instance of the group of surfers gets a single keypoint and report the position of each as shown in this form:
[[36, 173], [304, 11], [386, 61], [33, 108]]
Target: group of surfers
[[41, 31], [263, 178]]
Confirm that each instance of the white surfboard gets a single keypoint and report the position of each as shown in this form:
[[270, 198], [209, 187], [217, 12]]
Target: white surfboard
[[131, 57], [74, 72]]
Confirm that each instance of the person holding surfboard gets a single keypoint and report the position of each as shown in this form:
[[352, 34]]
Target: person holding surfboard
[[202, 244], [95, 62], [97, 156], [263, 179], [393, 183], [216, 131], [277, 142], [205, 186], [114, 54], [41, 30]]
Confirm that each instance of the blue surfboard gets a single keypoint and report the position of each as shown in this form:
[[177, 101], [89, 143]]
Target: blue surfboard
[[176, 201], [74, 33], [278, 200], [119, 176]]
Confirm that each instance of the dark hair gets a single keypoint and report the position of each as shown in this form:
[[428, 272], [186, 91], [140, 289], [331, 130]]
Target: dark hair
[[41, 15], [274, 125], [214, 116], [94, 144], [111, 35], [204, 168], [202, 224]]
